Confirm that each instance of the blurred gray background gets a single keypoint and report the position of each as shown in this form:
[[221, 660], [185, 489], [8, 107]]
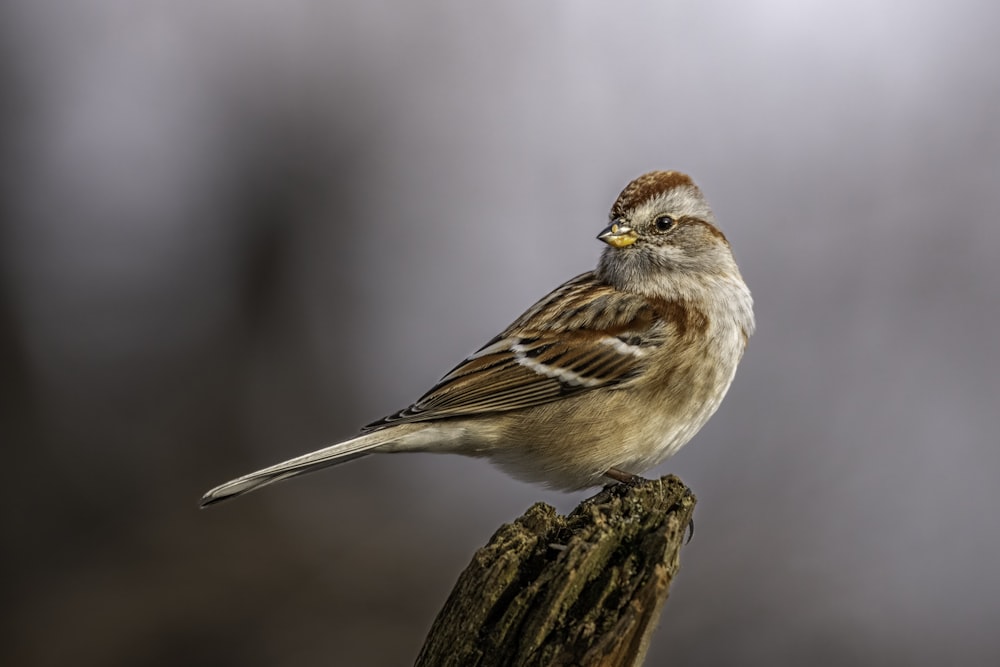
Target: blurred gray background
[[236, 231]]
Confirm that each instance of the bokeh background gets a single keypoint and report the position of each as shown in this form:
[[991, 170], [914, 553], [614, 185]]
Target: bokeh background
[[236, 231]]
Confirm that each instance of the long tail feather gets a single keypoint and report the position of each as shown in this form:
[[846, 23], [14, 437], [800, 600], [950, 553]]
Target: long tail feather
[[328, 456]]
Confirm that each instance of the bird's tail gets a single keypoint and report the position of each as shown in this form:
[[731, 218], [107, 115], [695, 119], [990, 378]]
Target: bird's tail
[[328, 456]]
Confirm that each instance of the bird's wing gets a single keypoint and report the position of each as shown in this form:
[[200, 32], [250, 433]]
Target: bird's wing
[[583, 336]]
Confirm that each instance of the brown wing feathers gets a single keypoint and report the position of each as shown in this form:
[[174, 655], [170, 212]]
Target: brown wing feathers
[[523, 367]]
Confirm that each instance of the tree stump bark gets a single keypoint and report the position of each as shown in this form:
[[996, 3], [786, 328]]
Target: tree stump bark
[[582, 590]]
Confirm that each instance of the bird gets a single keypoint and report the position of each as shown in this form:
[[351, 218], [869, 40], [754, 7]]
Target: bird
[[603, 378]]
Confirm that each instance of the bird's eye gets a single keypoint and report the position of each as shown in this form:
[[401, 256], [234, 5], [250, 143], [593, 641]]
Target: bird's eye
[[663, 223]]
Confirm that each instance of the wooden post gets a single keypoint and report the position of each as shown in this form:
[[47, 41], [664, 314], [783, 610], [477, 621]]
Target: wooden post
[[582, 590]]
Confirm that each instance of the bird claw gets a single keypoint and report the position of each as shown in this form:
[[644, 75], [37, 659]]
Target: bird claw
[[628, 479]]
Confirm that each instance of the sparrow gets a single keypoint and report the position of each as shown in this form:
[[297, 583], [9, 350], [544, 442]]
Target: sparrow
[[605, 377]]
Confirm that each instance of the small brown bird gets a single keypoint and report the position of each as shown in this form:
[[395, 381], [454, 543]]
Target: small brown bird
[[605, 377]]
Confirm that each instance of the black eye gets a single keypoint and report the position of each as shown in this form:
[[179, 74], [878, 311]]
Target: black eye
[[663, 223]]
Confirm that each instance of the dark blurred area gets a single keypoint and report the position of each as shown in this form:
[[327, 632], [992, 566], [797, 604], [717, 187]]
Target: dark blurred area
[[234, 232]]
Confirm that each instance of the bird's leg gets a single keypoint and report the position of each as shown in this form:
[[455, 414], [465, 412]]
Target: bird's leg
[[623, 477]]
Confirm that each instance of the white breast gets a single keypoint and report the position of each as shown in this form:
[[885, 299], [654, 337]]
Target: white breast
[[731, 324]]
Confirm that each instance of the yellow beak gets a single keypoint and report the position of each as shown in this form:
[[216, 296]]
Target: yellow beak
[[618, 235]]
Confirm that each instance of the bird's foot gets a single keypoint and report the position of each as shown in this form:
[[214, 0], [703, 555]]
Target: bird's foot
[[629, 479], [623, 477]]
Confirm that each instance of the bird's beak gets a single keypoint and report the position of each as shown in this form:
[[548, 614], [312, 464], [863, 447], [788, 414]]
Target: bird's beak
[[618, 235]]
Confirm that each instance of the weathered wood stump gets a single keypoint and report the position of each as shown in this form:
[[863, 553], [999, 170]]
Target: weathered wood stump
[[582, 590]]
